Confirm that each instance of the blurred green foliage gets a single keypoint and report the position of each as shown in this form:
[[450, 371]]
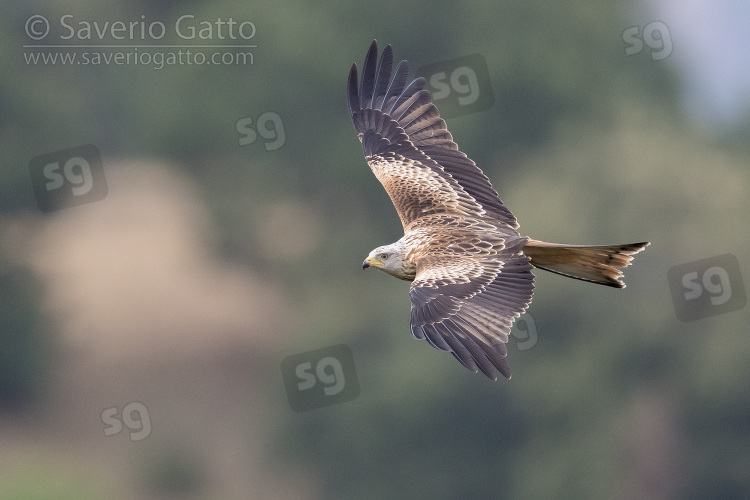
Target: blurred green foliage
[[40, 482], [584, 144], [24, 344]]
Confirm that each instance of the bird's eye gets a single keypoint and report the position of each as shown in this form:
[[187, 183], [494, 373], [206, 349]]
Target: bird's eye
[[383, 256]]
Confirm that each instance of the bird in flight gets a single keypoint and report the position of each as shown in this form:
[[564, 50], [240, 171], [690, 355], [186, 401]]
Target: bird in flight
[[470, 269]]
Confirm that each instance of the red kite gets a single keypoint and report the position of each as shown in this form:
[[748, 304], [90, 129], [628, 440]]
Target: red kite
[[470, 270]]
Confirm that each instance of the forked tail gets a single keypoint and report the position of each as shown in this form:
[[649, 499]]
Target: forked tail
[[594, 263]]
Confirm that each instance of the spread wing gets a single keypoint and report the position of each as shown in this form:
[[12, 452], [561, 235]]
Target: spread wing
[[410, 150], [469, 289]]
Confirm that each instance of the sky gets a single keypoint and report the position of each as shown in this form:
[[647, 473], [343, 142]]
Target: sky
[[711, 40]]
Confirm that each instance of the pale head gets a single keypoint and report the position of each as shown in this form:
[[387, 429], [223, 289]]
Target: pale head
[[390, 259]]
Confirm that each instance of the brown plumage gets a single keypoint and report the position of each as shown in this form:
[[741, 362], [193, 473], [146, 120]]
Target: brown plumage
[[594, 263], [470, 270]]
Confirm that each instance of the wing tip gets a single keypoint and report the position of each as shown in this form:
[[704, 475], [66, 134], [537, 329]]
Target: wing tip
[[352, 92]]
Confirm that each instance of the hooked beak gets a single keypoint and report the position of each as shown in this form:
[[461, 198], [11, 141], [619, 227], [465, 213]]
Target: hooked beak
[[369, 261]]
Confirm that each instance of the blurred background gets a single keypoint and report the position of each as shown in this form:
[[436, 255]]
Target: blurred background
[[142, 333]]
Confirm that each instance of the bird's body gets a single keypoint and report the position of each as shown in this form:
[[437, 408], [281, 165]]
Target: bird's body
[[470, 268], [437, 237]]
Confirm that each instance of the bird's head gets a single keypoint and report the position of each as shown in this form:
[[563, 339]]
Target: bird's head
[[388, 258]]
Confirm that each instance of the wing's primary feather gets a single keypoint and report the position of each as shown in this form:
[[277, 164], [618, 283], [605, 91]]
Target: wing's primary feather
[[397, 84], [382, 77], [368, 76]]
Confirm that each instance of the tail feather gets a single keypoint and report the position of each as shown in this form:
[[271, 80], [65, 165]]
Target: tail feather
[[594, 263]]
